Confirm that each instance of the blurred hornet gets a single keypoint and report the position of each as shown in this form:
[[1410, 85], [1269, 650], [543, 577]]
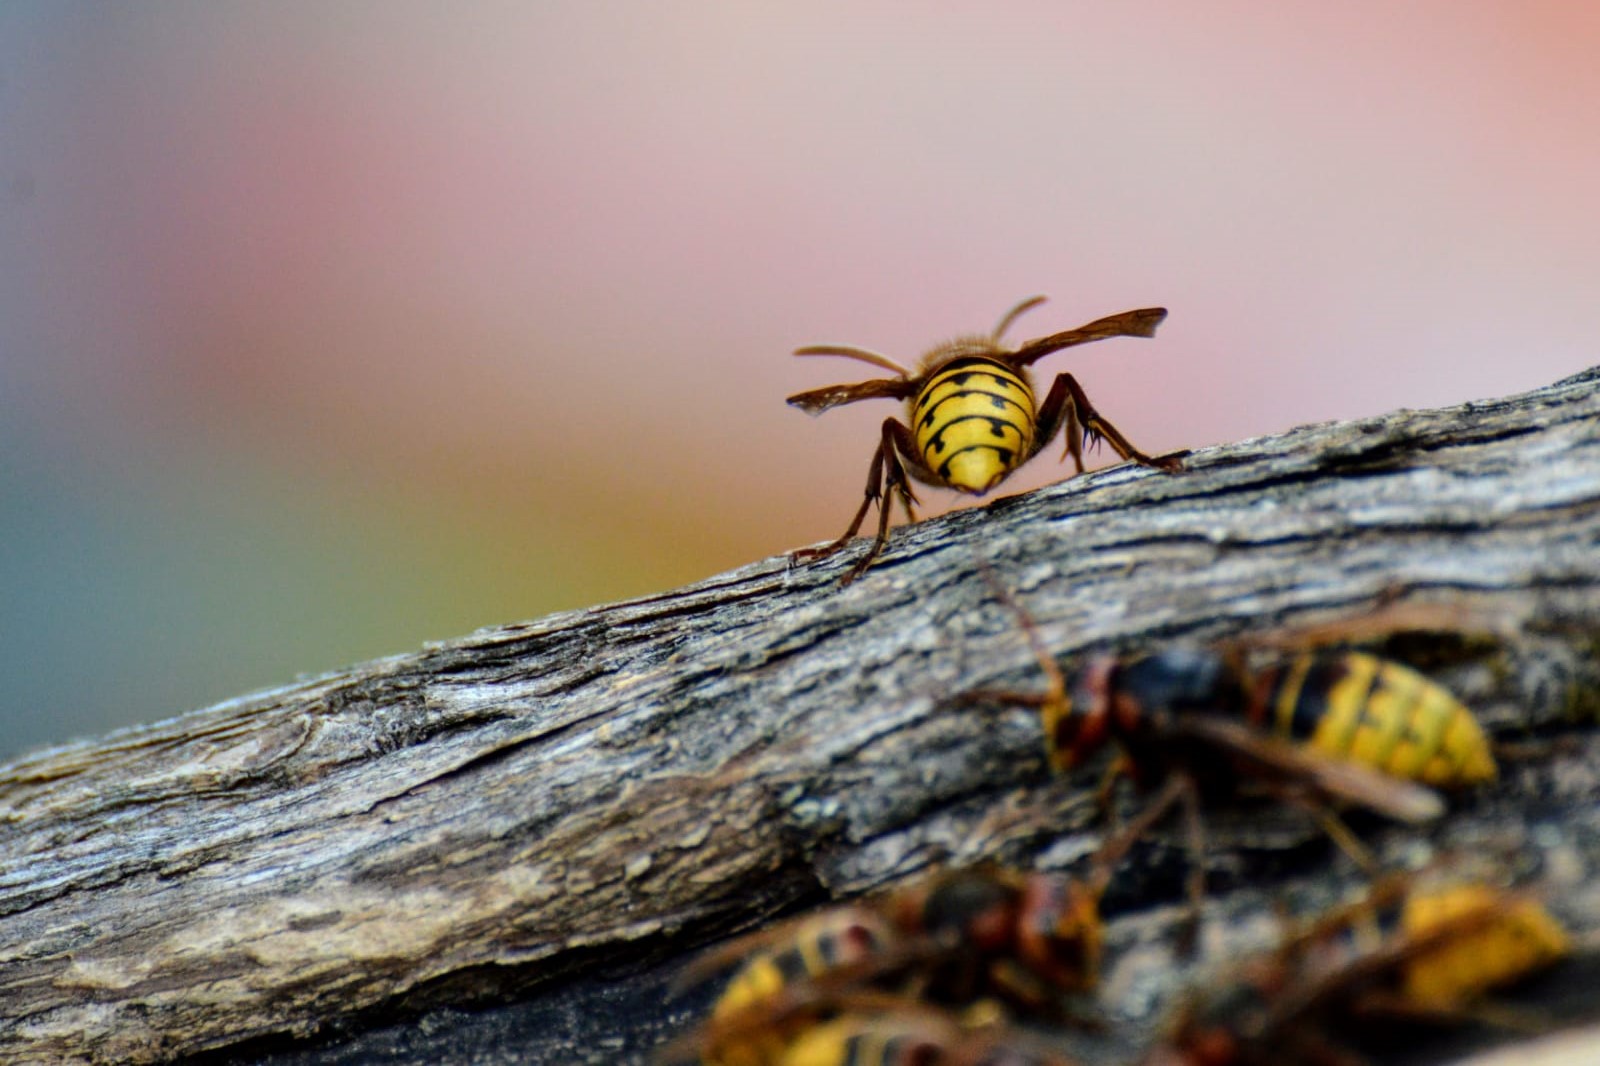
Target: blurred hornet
[[1331, 730], [911, 1036], [973, 416], [1344, 704], [1407, 952], [957, 937]]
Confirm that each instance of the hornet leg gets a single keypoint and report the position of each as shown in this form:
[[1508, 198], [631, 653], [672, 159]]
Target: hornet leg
[[895, 438], [1066, 404]]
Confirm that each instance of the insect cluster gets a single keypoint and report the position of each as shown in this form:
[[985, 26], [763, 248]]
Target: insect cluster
[[994, 966], [987, 966]]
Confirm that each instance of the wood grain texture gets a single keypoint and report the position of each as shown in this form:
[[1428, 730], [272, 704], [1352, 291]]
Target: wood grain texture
[[538, 818]]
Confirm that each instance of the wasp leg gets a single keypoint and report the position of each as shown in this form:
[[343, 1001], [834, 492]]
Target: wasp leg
[[1105, 792], [1053, 704], [886, 481], [1180, 790], [897, 442], [1535, 750], [1114, 847], [874, 490], [1329, 822], [1388, 617], [1341, 835], [1066, 404], [1195, 840]]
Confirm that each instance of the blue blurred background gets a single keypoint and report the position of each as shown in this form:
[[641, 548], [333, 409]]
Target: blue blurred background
[[329, 329]]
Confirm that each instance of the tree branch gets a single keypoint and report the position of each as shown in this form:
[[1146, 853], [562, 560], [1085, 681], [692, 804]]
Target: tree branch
[[518, 816]]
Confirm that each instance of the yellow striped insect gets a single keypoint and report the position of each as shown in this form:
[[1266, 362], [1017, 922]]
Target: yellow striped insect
[[955, 937], [1187, 722], [973, 416], [1345, 705], [837, 940], [1409, 950]]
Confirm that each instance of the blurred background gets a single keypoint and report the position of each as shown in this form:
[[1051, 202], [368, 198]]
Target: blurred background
[[329, 329]]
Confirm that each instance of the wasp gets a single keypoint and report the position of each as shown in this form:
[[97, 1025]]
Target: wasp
[[909, 1036], [1408, 951], [754, 1019], [954, 938], [1344, 704], [972, 415], [1181, 721]]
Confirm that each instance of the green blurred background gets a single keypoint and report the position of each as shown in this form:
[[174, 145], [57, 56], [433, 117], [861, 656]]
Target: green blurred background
[[329, 329]]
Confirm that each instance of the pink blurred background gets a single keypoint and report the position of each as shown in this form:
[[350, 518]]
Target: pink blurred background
[[329, 329]]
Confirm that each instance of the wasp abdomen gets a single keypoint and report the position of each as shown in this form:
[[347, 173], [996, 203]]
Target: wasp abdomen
[[973, 422], [828, 942], [1517, 937], [857, 1041], [1387, 716]]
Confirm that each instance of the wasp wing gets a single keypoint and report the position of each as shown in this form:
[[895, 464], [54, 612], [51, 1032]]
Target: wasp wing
[[818, 400], [1140, 323], [1273, 760]]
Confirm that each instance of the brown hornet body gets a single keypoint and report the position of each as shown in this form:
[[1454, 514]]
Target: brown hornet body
[[952, 938]]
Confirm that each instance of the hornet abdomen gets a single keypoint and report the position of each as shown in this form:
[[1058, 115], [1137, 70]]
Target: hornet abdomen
[[973, 422], [829, 942], [1359, 707], [1516, 937]]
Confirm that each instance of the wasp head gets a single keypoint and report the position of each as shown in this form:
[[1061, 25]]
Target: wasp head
[[1076, 726]]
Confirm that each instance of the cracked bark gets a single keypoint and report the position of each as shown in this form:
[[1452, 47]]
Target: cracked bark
[[496, 848]]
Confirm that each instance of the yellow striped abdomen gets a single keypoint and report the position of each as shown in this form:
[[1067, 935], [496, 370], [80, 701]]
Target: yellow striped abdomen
[[973, 422], [853, 1041], [1359, 707], [828, 942], [1503, 938]]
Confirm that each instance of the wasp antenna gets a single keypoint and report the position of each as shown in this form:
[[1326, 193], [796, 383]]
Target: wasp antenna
[[849, 351], [1030, 629], [1012, 315]]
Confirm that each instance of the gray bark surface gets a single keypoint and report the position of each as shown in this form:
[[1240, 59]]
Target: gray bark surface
[[497, 849]]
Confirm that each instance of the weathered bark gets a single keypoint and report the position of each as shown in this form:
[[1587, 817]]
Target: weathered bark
[[540, 814]]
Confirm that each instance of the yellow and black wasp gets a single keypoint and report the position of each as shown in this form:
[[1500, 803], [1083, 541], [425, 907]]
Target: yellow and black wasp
[[1408, 951], [1305, 685], [972, 416], [1190, 721], [955, 938], [1344, 704]]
